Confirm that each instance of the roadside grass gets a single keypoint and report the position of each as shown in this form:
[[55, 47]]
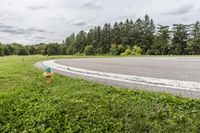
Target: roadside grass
[[28, 104]]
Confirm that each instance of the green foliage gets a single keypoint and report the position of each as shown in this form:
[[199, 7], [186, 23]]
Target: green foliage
[[136, 51], [89, 50], [22, 51], [194, 43], [80, 42], [1, 50], [127, 52], [180, 38], [28, 104], [161, 45], [194, 47], [116, 49], [51, 49]]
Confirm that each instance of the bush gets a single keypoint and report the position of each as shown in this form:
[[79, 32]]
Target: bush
[[136, 51], [127, 52], [117, 49], [114, 49], [89, 50], [121, 48]]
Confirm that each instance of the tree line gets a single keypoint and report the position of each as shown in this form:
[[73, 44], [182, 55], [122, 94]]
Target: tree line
[[140, 37]]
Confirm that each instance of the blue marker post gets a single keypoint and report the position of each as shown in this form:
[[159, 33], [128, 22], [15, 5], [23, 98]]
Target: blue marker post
[[48, 74]]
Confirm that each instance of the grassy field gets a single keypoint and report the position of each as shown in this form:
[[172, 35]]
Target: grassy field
[[28, 104]]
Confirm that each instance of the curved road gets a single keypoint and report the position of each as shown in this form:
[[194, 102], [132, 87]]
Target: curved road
[[177, 75]]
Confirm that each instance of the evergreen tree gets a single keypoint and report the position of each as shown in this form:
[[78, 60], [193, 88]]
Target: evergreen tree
[[117, 37], [148, 34], [106, 39], [97, 39], [180, 38], [194, 43], [80, 42], [128, 33], [68, 47], [161, 45]]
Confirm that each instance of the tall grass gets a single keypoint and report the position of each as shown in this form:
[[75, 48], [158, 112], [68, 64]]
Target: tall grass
[[28, 104]]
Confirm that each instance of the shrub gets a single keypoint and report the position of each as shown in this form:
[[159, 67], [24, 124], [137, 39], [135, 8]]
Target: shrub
[[136, 51], [127, 52], [89, 50], [121, 48], [117, 49], [114, 49]]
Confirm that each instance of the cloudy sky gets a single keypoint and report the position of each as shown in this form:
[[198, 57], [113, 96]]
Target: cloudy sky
[[35, 21]]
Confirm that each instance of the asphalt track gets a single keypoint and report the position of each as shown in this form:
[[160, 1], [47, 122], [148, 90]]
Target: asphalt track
[[176, 75]]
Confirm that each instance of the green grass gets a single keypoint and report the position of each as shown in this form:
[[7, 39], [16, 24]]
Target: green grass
[[28, 104]]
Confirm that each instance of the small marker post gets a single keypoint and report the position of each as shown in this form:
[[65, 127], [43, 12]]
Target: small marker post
[[48, 74]]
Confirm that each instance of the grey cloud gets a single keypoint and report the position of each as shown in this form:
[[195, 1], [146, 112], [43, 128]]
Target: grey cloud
[[12, 31], [33, 29], [181, 10], [15, 30], [91, 5], [4, 26], [40, 37], [36, 7], [126, 17], [79, 22]]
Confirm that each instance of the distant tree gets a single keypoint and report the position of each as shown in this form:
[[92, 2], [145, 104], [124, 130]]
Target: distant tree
[[161, 45], [180, 39], [10, 50], [194, 43], [68, 46], [195, 29], [53, 49], [6, 50], [89, 50], [1, 50], [138, 33], [90, 36], [117, 34], [80, 42], [97, 40], [148, 31], [128, 33], [22, 51], [106, 39], [32, 49], [44, 50]]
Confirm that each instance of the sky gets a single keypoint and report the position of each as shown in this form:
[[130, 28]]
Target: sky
[[37, 21]]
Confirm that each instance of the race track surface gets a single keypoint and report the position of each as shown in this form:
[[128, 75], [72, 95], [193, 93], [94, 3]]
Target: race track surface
[[176, 75]]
